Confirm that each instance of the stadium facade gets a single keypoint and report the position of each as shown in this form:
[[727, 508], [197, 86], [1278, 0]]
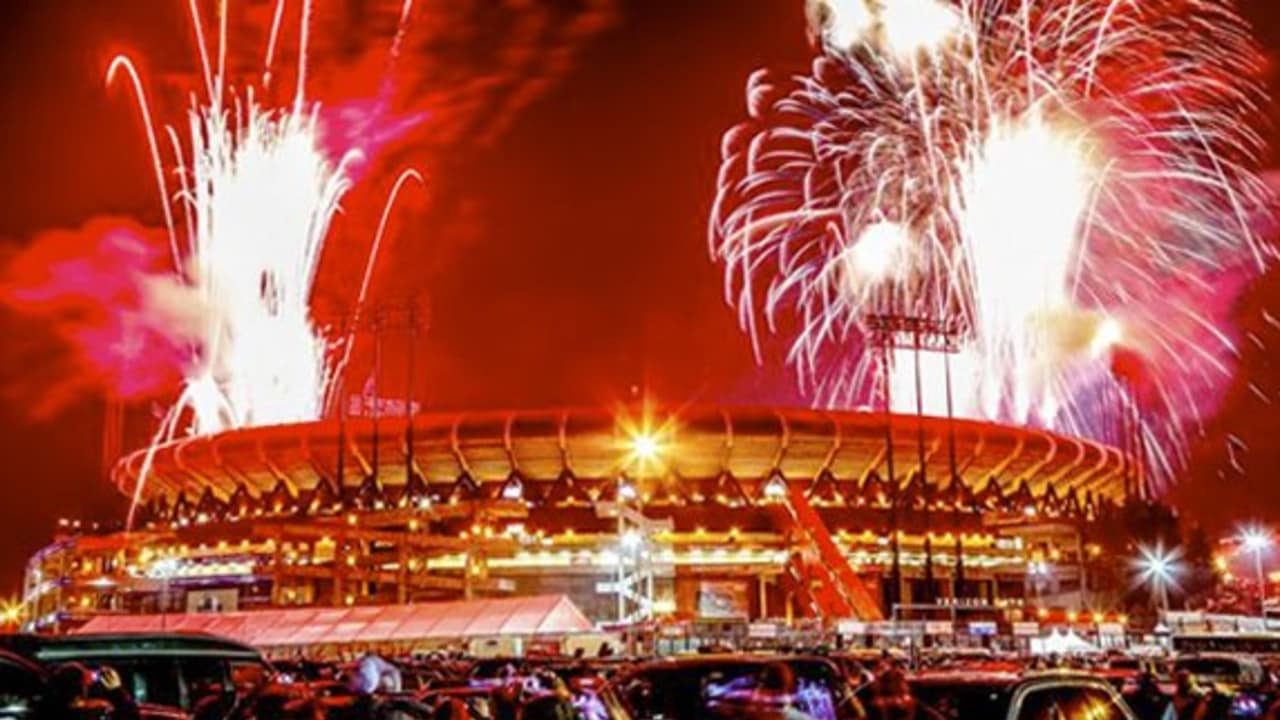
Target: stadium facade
[[702, 515]]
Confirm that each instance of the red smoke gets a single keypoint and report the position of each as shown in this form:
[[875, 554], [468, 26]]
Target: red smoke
[[99, 291]]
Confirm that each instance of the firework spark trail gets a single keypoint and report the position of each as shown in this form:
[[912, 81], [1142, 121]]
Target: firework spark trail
[[340, 366], [273, 35], [258, 194], [1066, 176]]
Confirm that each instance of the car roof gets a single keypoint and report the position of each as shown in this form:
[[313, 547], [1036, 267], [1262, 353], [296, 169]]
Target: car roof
[[1211, 655], [73, 647], [725, 659], [709, 663], [978, 676], [964, 676], [17, 660]]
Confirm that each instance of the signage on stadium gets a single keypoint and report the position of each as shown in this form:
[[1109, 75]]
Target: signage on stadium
[[371, 406], [938, 627], [1026, 629], [982, 628]]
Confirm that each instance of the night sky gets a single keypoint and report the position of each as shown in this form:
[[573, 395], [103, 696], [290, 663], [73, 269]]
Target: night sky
[[560, 245]]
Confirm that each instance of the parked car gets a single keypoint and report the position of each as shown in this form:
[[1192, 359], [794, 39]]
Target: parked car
[[170, 670], [732, 686], [1223, 670], [1234, 680], [1058, 695], [26, 694], [591, 697]]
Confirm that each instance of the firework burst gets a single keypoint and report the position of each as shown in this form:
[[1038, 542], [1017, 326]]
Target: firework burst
[[256, 196], [1074, 180]]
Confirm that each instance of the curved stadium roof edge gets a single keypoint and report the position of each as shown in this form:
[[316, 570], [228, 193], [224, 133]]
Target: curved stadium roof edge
[[692, 443]]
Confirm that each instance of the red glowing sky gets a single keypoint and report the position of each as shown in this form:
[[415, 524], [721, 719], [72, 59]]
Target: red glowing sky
[[572, 155]]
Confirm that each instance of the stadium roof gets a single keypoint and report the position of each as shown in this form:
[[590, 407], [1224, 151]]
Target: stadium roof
[[699, 442]]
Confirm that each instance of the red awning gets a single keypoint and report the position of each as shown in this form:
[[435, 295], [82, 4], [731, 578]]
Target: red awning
[[462, 620]]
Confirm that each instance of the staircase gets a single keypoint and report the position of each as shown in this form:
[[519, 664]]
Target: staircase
[[818, 571]]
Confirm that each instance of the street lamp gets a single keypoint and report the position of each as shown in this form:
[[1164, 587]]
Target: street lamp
[[1255, 540], [1158, 568]]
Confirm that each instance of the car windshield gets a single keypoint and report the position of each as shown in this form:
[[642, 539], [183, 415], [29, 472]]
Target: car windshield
[[148, 680], [593, 705], [1210, 667], [20, 688], [1071, 702], [962, 700]]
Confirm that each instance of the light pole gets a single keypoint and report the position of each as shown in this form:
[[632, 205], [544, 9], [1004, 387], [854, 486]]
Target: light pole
[[1255, 540], [889, 332]]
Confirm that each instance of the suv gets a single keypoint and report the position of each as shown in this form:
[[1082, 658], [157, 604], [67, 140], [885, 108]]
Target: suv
[[1014, 696], [169, 670]]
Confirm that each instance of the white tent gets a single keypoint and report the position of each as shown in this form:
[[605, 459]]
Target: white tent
[[1060, 643], [546, 616]]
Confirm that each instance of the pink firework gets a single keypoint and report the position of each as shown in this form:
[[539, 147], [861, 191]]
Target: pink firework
[[1072, 180]]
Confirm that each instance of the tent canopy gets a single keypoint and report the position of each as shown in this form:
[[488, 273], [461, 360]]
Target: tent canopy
[[463, 620], [1058, 643]]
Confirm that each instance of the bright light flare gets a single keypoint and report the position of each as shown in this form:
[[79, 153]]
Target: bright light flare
[[644, 441], [12, 611], [1159, 570], [1108, 334], [839, 25], [645, 448], [513, 490], [903, 28], [878, 253], [627, 491], [1022, 200], [1255, 539], [775, 488], [631, 541], [913, 26], [1157, 565]]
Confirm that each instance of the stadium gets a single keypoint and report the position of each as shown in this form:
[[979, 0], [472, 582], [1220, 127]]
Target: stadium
[[702, 519]]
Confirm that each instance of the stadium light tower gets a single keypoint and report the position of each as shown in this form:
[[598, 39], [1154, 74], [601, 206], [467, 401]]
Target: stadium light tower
[[890, 332]]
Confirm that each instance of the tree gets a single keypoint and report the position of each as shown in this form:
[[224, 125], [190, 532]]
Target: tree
[[1201, 577]]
